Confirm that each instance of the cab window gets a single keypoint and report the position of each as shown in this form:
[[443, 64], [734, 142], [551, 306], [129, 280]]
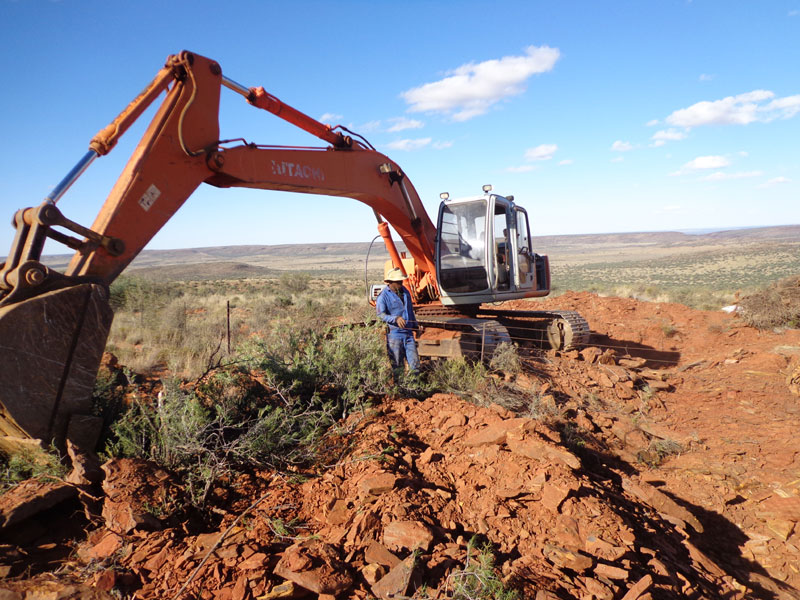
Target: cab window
[[462, 247]]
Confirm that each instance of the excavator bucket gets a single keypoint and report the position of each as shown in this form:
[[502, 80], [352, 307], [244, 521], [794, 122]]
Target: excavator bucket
[[51, 349]]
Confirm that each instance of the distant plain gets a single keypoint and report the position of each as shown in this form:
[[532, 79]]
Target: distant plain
[[735, 260]]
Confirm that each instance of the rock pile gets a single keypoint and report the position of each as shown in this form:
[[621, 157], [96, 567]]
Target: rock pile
[[421, 481]]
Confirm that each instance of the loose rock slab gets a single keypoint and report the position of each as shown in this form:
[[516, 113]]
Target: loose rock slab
[[316, 566]]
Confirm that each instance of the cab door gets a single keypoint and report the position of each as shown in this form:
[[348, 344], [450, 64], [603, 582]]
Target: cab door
[[500, 257], [521, 248]]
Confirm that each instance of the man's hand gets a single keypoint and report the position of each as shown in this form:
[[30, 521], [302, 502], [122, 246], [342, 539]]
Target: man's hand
[[401, 322]]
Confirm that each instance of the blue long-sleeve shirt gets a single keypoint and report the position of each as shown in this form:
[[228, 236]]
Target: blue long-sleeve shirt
[[389, 306]]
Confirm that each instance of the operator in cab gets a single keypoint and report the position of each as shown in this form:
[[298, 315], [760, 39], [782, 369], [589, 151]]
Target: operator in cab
[[394, 308]]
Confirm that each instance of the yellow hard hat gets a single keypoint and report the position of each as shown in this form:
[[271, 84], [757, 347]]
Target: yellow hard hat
[[395, 275]]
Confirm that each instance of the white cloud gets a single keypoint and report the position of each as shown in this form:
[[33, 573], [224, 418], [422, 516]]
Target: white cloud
[[670, 208], [618, 159], [722, 176], [706, 162], [471, 89], [408, 145], [566, 161], [620, 146], [442, 145], [702, 163], [737, 110], [521, 169], [705, 77], [368, 126], [775, 181], [669, 135], [541, 152], [403, 123], [652, 123], [330, 118]]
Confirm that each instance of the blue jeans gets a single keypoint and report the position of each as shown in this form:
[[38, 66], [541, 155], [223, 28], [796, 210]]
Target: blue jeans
[[401, 350]]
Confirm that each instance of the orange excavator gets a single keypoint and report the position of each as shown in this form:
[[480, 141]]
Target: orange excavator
[[54, 326]]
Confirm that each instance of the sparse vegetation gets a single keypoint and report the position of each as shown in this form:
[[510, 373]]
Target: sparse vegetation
[[295, 283], [658, 451], [478, 580], [269, 407], [542, 408], [176, 326], [668, 329], [705, 277]]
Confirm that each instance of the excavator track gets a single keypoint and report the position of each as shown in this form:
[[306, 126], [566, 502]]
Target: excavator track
[[562, 330], [459, 335]]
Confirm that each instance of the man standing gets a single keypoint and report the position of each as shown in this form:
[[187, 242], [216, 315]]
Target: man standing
[[394, 308]]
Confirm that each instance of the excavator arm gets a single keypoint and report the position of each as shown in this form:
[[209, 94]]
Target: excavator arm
[[54, 326], [181, 149]]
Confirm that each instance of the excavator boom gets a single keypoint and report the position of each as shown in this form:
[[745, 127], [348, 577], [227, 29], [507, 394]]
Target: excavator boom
[[54, 326]]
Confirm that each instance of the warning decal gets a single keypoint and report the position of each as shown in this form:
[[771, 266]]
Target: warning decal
[[149, 197]]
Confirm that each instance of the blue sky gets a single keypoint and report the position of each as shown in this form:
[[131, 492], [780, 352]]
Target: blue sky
[[597, 116]]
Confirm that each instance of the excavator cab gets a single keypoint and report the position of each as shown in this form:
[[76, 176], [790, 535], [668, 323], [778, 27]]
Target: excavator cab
[[483, 251]]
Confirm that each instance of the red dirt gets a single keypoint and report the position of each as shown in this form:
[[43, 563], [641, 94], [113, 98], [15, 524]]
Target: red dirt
[[663, 463]]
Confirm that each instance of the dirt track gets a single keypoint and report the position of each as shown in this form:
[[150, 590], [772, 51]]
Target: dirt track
[[670, 469]]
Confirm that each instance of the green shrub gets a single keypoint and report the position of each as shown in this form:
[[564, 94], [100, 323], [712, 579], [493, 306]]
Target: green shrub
[[478, 580], [231, 421], [350, 363], [33, 463], [473, 381], [133, 293], [668, 329], [108, 401], [354, 361], [459, 376], [294, 283], [506, 359]]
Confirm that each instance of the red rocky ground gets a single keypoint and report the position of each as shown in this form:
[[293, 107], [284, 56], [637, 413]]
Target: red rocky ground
[[659, 462]]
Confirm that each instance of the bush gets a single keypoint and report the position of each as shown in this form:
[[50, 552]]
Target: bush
[[459, 376], [350, 364], [354, 361], [506, 359], [30, 463], [108, 400], [474, 382], [295, 283], [477, 580], [776, 306], [136, 294], [231, 421]]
